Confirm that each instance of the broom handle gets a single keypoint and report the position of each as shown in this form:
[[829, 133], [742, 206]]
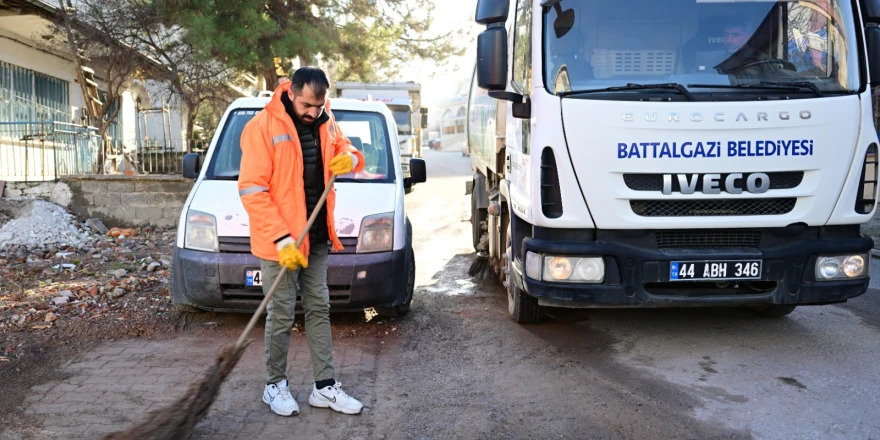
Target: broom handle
[[302, 236]]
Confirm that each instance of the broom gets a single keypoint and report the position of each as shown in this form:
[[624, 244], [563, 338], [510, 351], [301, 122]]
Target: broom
[[177, 420]]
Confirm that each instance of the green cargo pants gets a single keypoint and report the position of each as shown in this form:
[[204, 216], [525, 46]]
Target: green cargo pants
[[316, 304]]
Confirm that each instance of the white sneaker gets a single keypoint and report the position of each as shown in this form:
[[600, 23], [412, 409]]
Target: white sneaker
[[333, 397], [277, 396]]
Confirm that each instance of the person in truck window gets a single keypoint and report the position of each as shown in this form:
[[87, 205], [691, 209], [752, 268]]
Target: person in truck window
[[289, 152], [569, 51]]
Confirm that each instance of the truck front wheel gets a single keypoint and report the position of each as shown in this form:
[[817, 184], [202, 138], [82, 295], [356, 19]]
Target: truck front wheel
[[523, 308]]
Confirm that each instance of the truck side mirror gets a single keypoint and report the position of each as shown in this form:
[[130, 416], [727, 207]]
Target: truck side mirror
[[871, 12], [192, 164], [872, 36], [492, 44], [492, 59], [492, 11], [424, 111]]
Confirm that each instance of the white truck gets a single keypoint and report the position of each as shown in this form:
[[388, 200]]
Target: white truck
[[644, 153], [403, 98]]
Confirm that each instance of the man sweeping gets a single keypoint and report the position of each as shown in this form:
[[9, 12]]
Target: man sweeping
[[290, 150]]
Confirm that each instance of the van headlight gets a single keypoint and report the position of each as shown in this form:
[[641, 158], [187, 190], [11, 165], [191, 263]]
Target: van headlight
[[201, 232], [377, 234]]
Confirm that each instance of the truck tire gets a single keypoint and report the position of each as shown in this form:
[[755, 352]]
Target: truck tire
[[478, 217], [773, 310], [521, 307]]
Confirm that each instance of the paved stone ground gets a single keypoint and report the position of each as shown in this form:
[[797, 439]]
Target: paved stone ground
[[113, 386]]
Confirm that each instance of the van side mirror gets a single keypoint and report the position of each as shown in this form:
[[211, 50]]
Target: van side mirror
[[417, 172], [192, 164], [424, 111]]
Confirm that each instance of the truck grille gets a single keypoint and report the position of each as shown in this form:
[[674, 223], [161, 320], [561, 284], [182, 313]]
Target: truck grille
[[712, 208], [708, 239], [654, 182]]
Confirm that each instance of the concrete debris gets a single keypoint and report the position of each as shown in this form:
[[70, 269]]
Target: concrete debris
[[119, 273], [116, 293], [97, 225], [60, 300], [37, 222], [66, 293], [153, 266]]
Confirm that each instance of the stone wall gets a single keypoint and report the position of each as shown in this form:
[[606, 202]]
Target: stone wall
[[123, 201]]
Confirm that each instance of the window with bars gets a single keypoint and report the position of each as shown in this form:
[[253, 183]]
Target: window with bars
[[30, 96]]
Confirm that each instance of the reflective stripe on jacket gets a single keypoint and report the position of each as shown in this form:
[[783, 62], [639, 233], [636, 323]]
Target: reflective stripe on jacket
[[270, 182]]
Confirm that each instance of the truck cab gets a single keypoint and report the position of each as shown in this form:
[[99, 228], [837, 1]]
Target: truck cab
[[640, 153], [403, 98], [214, 268]]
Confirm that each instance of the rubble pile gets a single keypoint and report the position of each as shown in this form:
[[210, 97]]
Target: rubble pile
[[32, 222], [80, 275]]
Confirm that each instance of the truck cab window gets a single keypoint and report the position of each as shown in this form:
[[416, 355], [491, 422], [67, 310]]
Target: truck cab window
[[613, 43], [522, 47]]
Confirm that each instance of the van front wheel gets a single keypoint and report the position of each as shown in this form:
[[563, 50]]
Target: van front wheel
[[403, 308]]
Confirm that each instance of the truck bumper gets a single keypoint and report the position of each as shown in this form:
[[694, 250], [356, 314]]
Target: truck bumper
[[638, 270], [216, 281]]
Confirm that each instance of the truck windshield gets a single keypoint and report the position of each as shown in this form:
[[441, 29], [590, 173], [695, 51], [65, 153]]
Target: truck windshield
[[402, 118], [707, 46], [367, 131]]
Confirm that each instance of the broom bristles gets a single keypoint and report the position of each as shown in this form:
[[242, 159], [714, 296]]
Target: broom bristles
[[479, 266]]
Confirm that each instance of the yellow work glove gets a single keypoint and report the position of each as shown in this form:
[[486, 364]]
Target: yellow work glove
[[342, 164], [289, 255]]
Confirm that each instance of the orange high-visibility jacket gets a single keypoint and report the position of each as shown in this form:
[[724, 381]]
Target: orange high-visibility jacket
[[270, 182]]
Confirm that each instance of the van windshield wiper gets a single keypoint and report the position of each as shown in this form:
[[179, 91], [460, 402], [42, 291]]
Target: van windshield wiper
[[632, 86], [770, 85]]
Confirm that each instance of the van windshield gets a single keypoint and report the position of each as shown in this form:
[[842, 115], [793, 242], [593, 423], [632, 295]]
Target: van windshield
[[367, 132], [757, 47]]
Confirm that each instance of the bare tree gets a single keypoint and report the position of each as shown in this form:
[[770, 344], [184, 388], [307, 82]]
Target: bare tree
[[94, 50]]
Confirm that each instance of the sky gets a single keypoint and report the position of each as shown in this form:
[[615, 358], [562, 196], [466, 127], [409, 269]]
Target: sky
[[437, 82]]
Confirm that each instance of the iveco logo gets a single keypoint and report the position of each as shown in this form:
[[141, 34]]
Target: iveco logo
[[734, 183], [719, 116]]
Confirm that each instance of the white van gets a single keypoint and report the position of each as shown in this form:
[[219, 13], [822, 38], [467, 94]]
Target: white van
[[213, 266]]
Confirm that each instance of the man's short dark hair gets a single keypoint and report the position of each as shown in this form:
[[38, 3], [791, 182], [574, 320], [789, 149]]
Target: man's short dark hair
[[314, 77]]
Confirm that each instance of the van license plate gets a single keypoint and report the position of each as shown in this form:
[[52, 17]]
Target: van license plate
[[253, 278], [715, 270]]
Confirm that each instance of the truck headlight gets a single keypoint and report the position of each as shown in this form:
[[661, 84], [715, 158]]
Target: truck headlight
[[842, 267], [201, 232], [564, 269], [377, 234]]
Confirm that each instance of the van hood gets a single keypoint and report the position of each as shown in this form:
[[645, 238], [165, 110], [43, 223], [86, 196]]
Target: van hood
[[626, 153], [354, 201]]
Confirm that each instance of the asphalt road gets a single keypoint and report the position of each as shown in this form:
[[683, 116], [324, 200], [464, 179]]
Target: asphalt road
[[658, 373], [458, 367]]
